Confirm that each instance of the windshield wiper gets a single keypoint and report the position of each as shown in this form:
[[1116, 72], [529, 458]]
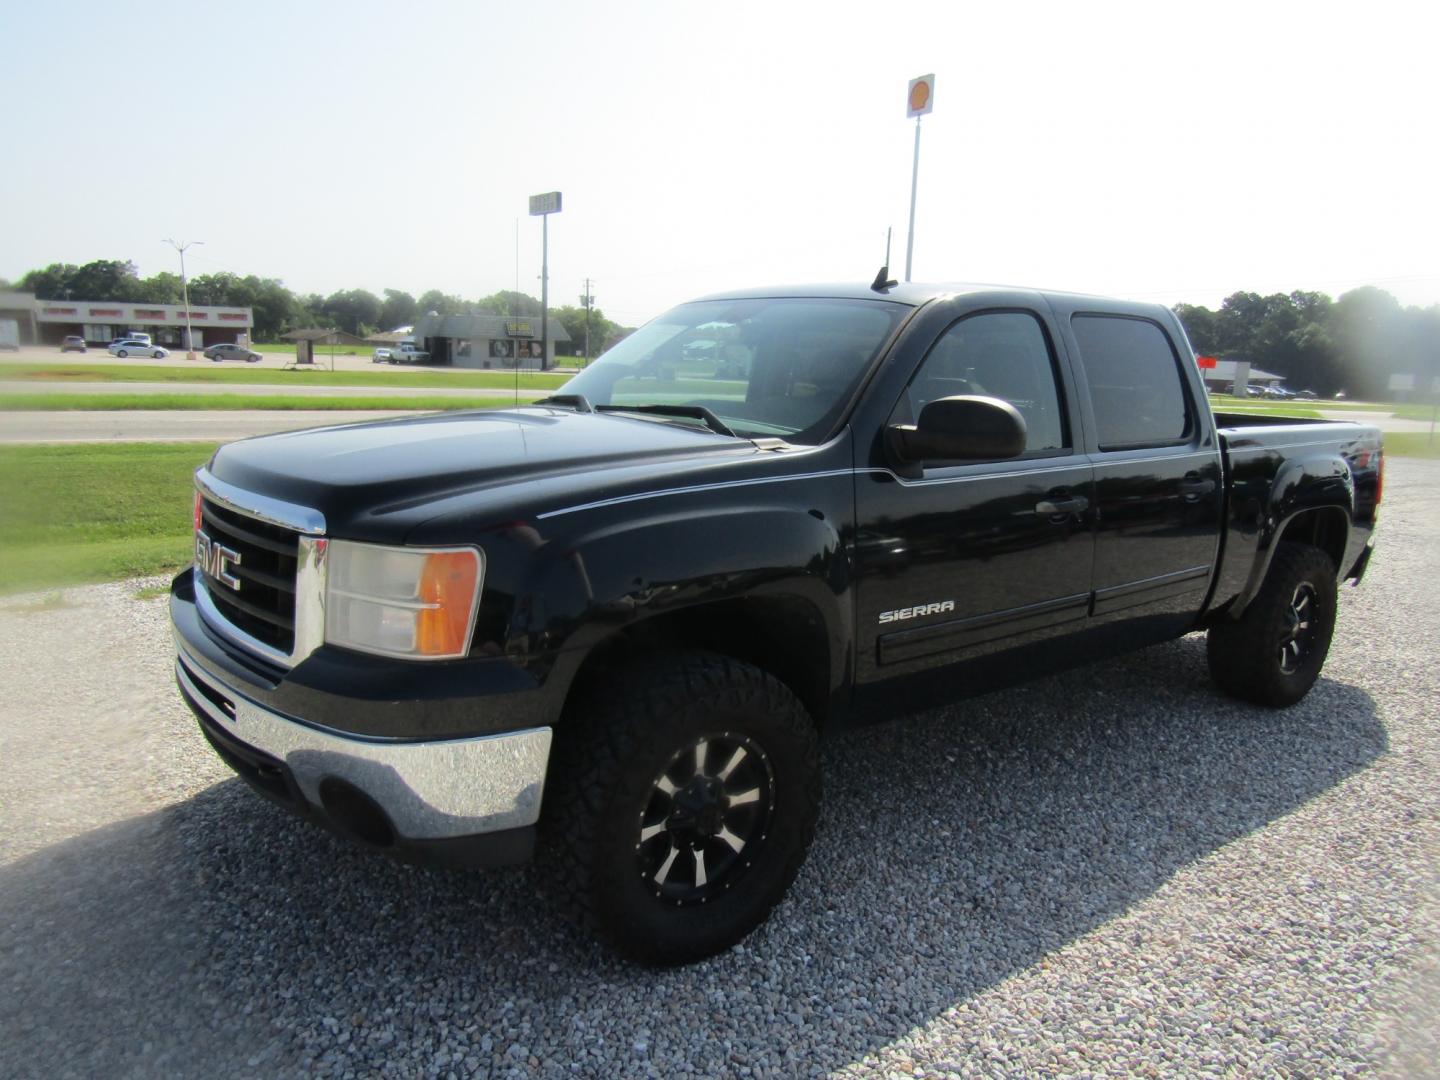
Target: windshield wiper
[[693, 412], [578, 402]]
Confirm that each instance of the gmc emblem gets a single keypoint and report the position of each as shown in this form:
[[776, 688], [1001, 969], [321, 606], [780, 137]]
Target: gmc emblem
[[216, 559]]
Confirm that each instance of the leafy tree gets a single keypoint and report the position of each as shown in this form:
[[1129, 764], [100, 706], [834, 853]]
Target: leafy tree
[[221, 289], [602, 330], [106, 279], [398, 309], [509, 302], [1200, 328], [276, 308], [161, 288], [52, 283], [440, 303], [354, 310]]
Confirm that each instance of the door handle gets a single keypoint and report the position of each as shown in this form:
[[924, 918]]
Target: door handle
[[1059, 506], [1192, 487]]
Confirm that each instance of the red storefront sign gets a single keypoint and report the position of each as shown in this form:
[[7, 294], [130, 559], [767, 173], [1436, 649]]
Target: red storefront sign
[[1205, 361], [59, 311], [107, 312], [148, 313], [231, 316]]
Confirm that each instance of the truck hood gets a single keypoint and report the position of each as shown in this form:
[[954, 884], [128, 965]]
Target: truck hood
[[360, 475]]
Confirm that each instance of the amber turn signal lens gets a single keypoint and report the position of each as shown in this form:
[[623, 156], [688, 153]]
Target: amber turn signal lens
[[199, 514], [447, 587]]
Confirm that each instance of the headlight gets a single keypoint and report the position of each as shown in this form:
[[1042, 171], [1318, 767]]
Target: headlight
[[414, 603]]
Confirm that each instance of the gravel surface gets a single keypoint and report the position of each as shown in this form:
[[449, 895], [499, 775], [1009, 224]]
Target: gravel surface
[[1112, 872]]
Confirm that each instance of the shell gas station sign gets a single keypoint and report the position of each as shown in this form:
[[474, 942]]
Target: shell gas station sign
[[921, 98]]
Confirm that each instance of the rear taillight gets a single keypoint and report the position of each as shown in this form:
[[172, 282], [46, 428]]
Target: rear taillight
[[1379, 475]]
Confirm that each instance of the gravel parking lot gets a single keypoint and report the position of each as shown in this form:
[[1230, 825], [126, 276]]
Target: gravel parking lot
[[1111, 872]]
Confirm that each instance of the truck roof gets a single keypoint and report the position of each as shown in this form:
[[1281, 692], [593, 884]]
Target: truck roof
[[914, 294]]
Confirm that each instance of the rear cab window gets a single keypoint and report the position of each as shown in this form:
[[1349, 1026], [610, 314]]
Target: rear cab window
[[1137, 391]]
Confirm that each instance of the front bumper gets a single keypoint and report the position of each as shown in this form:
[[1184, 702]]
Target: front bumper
[[462, 801]]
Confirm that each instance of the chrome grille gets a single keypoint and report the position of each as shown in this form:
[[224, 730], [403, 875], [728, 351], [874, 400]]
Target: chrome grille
[[264, 605]]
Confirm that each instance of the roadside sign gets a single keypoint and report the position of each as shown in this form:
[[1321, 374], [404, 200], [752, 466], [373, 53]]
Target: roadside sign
[[919, 101], [548, 203], [1205, 361]]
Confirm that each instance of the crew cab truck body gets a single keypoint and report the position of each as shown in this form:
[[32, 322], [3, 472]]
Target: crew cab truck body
[[406, 352], [618, 620]]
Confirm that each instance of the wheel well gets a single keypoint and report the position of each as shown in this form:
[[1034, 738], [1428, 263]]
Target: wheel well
[[1325, 528], [784, 636]]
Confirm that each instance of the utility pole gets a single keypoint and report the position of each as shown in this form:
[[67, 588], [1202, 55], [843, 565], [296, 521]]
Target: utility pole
[[588, 299], [185, 294]]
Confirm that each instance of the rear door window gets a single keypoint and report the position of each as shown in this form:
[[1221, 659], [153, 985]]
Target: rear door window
[[1135, 384]]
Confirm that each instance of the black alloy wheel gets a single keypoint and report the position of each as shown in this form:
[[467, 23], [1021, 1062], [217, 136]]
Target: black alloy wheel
[[1273, 653], [706, 818], [682, 796], [1302, 627]]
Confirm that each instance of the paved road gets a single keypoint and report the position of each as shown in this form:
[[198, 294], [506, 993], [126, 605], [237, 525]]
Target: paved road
[[165, 425], [362, 362], [260, 390], [1111, 872]]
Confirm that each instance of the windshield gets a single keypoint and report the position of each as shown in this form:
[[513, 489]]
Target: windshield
[[772, 367]]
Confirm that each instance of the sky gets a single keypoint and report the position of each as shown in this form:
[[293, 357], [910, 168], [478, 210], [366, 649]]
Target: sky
[[1161, 151]]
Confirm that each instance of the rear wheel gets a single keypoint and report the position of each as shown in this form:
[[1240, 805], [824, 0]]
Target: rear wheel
[[122, 354], [1273, 653], [684, 798]]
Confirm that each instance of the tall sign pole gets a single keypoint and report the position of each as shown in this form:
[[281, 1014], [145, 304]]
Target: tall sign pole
[[542, 206], [920, 101]]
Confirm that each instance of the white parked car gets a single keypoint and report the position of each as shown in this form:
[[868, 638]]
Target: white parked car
[[382, 355], [130, 347]]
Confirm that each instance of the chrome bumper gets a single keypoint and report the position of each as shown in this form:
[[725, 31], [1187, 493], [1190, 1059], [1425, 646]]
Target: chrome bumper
[[428, 790]]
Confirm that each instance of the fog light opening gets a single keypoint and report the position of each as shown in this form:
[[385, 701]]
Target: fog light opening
[[356, 814]]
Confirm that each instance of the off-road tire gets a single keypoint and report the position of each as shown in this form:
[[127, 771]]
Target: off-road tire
[[1273, 653], [613, 747]]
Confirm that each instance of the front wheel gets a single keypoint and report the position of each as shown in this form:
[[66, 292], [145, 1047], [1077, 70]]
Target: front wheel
[[685, 797], [1273, 653]]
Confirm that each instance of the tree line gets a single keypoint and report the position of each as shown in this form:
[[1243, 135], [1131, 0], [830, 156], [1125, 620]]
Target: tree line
[[1351, 344], [277, 309]]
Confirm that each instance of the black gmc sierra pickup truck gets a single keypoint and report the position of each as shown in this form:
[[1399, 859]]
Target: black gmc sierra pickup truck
[[616, 622]]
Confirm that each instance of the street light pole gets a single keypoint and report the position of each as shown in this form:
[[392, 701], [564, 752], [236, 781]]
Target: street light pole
[[185, 294]]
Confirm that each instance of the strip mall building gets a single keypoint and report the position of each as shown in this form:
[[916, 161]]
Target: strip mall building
[[100, 322]]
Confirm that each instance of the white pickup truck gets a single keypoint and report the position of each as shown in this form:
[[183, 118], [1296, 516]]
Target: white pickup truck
[[403, 353]]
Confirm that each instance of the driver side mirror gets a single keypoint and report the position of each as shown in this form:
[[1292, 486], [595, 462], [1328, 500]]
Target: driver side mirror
[[961, 428]]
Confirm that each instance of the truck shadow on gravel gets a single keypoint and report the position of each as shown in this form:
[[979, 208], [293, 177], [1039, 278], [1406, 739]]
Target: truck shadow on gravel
[[957, 848]]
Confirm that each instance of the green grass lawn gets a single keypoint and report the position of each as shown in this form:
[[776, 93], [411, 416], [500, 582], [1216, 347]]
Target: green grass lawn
[[383, 375], [76, 514], [236, 402]]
